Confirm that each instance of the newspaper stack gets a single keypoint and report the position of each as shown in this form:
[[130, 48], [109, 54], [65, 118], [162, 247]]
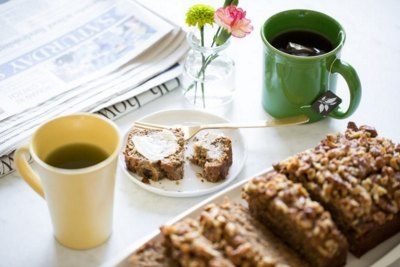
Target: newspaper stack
[[60, 57]]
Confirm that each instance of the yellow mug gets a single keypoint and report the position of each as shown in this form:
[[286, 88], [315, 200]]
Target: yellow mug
[[80, 201]]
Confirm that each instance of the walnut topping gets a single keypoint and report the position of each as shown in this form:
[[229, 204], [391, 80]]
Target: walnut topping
[[356, 173], [232, 237], [290, 201], [187, 245]]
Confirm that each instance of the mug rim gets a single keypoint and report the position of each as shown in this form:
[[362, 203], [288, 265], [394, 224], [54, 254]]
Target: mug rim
[[92, 168], [307, 58]]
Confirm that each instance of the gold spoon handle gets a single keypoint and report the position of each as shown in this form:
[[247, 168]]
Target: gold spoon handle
[[261, 124]]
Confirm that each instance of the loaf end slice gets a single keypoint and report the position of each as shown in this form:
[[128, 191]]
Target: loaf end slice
[[287, 208]]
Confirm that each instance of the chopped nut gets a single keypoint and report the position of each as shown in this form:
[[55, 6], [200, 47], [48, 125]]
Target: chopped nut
[[352, 126], [394, 164], [370, 130]]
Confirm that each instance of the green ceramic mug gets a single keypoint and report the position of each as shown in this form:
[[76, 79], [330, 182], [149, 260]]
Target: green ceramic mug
[[292, 83]]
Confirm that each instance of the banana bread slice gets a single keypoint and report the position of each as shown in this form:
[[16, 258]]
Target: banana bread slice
[[214, 154], [356, 176], [286, 208], [185, 244], [243, 240], [160, 154]]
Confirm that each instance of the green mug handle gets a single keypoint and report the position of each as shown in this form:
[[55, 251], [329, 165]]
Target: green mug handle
[[353, 82]]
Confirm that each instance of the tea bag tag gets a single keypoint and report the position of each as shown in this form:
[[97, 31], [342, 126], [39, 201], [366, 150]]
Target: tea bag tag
[[325, 103]]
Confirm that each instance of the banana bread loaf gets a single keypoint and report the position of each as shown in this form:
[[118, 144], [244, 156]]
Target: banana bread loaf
[[356, 176]]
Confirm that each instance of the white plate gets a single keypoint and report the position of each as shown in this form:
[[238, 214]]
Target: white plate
[[191, 185], [234, 194]]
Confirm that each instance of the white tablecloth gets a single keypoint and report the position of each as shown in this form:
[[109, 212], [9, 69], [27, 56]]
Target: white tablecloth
[[372, 47]]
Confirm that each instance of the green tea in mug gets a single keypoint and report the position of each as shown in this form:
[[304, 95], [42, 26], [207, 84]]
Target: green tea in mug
[[76, 156]]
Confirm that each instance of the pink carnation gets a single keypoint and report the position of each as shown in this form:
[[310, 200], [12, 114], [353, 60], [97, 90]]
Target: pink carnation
[[233, 19]]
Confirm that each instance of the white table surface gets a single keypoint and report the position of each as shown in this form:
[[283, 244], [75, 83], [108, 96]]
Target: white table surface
[[372, 47]]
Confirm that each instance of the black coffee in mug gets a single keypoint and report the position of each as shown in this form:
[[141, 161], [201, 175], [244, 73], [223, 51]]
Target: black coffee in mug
[[302, 43]]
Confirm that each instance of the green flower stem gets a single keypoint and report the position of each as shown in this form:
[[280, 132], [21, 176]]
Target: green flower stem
[[195, 93], [231, 2], [227, 3], [204, 64], [203, 60], [208, 60], [216, 36], [202, 95], [222, 37], [203, 68]]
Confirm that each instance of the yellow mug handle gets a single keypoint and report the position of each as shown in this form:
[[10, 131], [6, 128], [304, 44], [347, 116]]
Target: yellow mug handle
[[25, 170]]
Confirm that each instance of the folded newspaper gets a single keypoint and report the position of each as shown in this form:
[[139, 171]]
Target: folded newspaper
[[61, 57]]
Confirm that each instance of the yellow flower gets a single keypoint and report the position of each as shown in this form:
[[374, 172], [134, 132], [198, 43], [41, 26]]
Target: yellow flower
[[200, 15]]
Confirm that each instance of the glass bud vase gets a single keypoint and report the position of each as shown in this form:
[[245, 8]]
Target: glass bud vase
[[209, 74]]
